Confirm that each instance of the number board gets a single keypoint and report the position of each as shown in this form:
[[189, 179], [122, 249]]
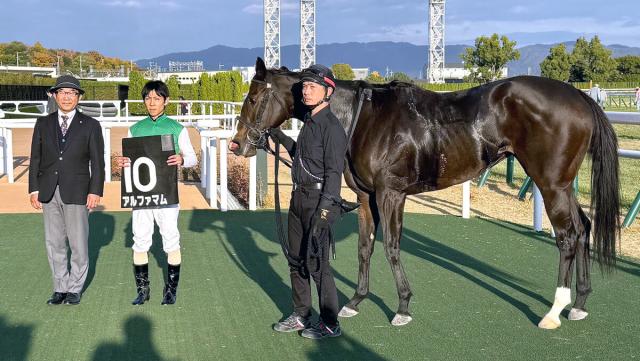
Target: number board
[[148, 182]]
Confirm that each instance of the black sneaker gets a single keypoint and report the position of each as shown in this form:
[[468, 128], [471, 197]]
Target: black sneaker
[[320, 330], [292, 323]]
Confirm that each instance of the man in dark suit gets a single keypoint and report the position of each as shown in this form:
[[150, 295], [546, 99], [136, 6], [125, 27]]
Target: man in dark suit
[[66, 179]]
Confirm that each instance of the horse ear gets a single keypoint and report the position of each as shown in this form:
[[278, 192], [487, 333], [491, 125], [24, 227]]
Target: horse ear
[[261, 69]]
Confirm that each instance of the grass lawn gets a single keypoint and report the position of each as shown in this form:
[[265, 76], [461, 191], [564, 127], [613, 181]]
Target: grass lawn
[[479, 286]]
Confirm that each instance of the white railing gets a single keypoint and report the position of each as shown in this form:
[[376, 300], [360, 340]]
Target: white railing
[[200, 122], [214, 151]]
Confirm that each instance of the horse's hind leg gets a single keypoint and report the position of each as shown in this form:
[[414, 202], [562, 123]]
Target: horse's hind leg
[[583, 274], [391, 207], [368, 220], [565, 216]]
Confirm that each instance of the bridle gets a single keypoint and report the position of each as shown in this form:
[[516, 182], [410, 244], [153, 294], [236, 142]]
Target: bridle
[[257, 134]]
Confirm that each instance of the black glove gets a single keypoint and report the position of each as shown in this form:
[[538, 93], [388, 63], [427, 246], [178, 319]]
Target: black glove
[[322, 220], [286, 141], [277, 133]]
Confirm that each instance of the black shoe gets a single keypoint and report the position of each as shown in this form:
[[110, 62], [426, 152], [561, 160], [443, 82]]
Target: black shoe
[[292, 323], [72, 299], [56, 298], [320, 330], [141, 273], [171, 287]]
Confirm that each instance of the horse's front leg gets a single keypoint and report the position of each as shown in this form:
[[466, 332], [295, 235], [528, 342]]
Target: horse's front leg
[[391, 208], [368, 220]]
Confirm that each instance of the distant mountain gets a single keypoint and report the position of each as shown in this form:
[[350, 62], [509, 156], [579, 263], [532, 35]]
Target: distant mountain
[[379, 56]]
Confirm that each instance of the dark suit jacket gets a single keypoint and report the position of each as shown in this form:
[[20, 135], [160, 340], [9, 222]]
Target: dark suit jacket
[[76, 166]]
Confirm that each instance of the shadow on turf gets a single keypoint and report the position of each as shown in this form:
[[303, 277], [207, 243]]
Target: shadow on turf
[[239, 229], [15, 340], [627, 265], [137, 343], [101, 232]]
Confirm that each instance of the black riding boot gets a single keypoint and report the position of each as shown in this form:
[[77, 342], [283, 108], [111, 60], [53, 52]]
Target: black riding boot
[[171, 287], [141, 273]]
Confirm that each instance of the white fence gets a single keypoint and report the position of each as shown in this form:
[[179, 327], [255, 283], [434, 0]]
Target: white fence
[[214, 144]]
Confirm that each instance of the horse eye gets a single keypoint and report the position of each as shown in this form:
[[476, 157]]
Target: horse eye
[[252, 101]]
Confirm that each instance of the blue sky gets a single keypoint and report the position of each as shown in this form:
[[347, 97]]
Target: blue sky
[[134, 29]]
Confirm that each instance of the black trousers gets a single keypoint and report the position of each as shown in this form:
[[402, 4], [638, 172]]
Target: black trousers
[[301, 210]]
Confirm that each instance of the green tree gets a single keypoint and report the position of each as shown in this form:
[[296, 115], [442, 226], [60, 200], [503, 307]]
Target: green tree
[[375, 78], [343, 71], [591, 61], [400, 76], [557, 65], [136, 83], [489, 56], [174, 92], [628, 67]]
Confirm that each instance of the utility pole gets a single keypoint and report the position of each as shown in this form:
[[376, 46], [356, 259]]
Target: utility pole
[[17, 58], [81, 64]]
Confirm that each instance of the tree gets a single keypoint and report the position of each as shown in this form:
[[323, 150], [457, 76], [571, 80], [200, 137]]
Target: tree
[[375, 78], [591, 61], [41, 56], [136, 83], [343, 71], [628, 67], [557, 65], [400, 76], [489, 56], [174, 92]]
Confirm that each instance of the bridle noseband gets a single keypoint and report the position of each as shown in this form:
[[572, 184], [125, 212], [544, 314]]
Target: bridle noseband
[[257, 134]]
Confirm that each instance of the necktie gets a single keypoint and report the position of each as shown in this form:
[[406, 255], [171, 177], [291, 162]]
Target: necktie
[[64, 124]]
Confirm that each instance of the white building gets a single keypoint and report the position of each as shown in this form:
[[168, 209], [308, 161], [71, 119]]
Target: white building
[[455, 73], [247, 72], [34, 70], [360, 73], [185, 77]]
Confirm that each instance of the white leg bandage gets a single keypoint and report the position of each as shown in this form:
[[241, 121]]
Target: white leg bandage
[[561, 300]]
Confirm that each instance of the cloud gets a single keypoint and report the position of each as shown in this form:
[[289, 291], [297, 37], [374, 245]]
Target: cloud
[[170, 4], [125, 4], [287, 8], [519, 9], [460, 31]]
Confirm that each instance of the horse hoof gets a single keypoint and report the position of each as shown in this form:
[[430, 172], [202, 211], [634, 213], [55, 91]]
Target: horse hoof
[[548, 323], [347, 312], [577, 314], [401, 320]]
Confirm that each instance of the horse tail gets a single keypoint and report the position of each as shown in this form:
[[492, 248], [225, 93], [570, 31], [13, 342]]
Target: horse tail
[[605, 187]]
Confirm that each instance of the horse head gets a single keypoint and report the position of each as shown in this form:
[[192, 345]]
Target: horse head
[[273, 97]]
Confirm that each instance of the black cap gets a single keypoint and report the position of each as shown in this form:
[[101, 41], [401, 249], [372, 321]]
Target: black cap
[[320, 74], [66, 81]]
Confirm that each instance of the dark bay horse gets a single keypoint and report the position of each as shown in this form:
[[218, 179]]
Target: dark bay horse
[[408, 140]]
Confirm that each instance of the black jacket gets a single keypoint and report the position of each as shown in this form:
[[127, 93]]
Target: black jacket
[[75, 165], [318, 155]]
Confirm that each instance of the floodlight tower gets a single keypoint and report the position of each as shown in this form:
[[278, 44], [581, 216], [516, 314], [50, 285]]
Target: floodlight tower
[[307, 33], [272, 33], [436, 41]]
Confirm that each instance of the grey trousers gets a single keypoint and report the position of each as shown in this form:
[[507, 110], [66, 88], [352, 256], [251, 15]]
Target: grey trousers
[[64, 222]]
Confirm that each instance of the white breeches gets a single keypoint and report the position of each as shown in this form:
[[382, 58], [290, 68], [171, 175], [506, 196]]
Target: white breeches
[[142, 223]]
